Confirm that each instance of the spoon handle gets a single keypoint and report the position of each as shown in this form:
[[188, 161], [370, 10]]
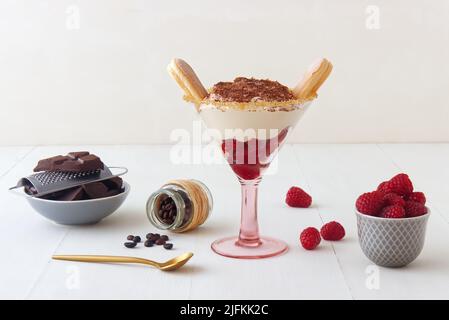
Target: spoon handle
[[98, 258]]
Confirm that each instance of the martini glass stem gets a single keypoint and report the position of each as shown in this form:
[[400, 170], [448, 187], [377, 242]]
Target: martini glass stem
[[249, 227]]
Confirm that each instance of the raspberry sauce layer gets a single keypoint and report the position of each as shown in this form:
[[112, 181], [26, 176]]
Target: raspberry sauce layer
[[248, 159]]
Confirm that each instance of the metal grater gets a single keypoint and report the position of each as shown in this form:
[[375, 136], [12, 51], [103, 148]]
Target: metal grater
[[52, 181]]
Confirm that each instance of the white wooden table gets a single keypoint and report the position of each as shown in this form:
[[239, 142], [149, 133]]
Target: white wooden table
[[333, 174]]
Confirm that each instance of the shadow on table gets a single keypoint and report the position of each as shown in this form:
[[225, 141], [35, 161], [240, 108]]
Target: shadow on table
[[126, 219], [435, 264]]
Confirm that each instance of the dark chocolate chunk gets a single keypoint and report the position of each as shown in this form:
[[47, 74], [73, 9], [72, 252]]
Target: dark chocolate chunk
[[72, 194], [78, 161], [95, 190], [115, 183], [92, 190], [73, 162], [77, 154]]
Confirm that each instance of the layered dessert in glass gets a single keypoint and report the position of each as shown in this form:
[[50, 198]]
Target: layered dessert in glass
[[253, 118]]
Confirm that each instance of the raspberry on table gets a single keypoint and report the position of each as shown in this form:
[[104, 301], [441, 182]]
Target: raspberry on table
[[332, 231], [370, 203], [298, 198], [414, 209], [416, 197], [393, 212], [310, 238]]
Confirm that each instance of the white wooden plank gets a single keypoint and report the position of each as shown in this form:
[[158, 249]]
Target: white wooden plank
[[10, 156], [290, 276], [334, 175], [208, 275], [337, 174]]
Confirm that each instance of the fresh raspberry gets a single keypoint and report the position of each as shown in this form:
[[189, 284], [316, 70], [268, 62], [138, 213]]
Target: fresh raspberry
[[332, 231], [381, 187], [296, 197], [370, 203], [310, 238], [393, 212], [414, 209], [399, 184], [416, 197], [391, 199]]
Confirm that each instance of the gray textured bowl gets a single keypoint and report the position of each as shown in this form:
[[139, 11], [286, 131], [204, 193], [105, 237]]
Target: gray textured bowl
[[391, 242], [78, 212]]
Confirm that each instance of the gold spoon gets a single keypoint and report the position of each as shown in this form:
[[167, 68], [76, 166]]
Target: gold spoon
[[168, 265]]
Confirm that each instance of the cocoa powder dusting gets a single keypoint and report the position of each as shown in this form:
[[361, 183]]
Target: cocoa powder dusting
[[247, 90]]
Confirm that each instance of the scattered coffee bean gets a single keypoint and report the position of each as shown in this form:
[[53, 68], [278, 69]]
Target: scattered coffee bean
[[151, 239], [148, 243], [130, 244], [156, 236]]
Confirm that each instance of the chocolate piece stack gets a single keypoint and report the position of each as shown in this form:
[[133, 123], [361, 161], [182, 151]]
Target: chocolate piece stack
[[73, 162], [80, 161]]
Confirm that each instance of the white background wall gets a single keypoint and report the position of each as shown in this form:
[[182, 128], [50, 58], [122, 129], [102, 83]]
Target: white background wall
[[106, 82]]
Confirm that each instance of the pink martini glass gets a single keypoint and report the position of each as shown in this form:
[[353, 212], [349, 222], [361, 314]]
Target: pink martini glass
[[250, 141]]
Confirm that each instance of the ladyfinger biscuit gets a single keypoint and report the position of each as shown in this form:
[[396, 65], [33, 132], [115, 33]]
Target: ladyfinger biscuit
[[313, 79], [186, 78]]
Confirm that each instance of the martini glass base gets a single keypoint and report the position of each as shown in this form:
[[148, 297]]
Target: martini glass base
[[268, 247]]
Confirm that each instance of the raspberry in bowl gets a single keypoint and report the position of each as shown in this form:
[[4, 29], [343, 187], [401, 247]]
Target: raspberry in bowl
[[391, 222]]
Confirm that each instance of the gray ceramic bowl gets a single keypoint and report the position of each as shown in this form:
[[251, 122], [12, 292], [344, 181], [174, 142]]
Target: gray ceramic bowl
[[78, 212], [391, 242]]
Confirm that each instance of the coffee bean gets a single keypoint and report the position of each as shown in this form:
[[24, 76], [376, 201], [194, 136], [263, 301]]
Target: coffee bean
[[137, 239], [167, 211], [130, 237], [168, 246], [149, 235], [160, 241], [164, 237], [130, 244], [148, 243]]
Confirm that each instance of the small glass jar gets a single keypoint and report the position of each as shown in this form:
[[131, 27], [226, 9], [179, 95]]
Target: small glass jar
[[180, 205]]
